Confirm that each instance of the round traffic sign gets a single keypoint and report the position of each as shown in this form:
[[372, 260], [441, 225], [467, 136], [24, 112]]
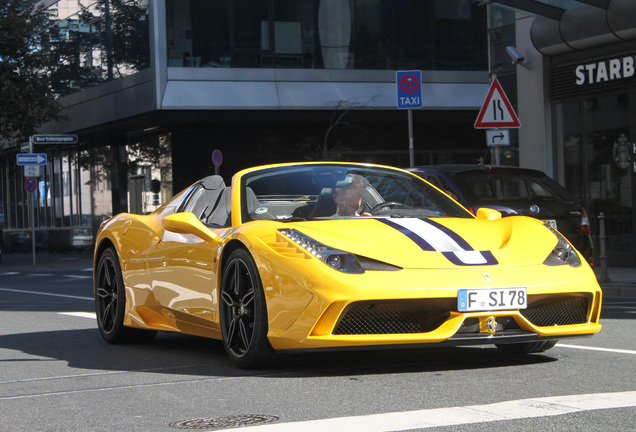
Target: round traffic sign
[[30, 185], [409, 84], [217, 157]]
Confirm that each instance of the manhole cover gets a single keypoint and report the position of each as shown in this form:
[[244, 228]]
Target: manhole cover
[[224, 421]]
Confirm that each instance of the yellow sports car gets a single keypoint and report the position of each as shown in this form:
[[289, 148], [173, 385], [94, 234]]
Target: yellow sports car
[[337, 255]]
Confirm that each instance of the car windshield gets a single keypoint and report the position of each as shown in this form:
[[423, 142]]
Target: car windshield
[[340, 191], [509, 185]]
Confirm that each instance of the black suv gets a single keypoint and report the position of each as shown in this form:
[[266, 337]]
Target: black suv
[[514, 191]]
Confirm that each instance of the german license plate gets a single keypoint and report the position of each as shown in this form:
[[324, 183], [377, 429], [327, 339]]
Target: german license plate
[[551, 223], [469, 300]]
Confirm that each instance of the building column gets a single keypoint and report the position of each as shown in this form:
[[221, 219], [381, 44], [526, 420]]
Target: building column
[[535, 111]]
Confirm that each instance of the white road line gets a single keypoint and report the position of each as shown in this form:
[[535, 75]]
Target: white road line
[[90, 315], [453, 416], [78, 276], [614, 350], [47, 294]]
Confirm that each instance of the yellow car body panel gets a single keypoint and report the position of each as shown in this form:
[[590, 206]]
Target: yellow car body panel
[[172, 268]]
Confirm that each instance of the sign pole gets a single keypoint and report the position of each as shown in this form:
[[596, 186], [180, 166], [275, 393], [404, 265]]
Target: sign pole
[[32, 212], [409, 96], [411, 145]]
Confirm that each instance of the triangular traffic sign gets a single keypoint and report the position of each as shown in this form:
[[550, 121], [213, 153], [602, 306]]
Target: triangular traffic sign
[[496, 112]]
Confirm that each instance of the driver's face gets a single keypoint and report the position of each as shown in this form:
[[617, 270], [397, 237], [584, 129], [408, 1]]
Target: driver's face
[[348, 200]]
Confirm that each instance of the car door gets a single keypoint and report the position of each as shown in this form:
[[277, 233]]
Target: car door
[[182, 269]]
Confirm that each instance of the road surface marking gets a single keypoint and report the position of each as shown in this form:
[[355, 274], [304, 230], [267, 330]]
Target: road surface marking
[[47, 294], [91, 315], [453, 416], [614, 350]]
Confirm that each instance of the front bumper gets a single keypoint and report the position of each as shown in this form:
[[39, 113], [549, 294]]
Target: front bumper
[[392, 308]]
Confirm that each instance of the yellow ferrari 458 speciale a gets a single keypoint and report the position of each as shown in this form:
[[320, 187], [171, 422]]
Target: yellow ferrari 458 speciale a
[[326, 255]]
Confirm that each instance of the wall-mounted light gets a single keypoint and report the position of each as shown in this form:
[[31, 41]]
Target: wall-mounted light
[[517, 58]]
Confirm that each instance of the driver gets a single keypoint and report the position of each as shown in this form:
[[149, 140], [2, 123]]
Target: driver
[[348, 195]]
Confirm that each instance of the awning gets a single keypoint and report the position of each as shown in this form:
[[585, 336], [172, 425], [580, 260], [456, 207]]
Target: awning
[[553, 9], [563, 26]]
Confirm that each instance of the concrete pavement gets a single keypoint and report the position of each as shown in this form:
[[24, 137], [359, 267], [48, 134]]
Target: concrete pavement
[[622, 281]]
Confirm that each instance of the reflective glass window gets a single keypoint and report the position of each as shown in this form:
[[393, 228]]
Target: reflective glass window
[[92, 42], [327, 34]]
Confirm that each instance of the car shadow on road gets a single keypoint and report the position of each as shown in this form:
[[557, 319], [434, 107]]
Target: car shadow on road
[[179, 354]]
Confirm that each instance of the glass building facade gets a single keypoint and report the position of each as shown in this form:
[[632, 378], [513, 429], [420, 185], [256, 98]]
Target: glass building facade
[[327, 34], [145, 86]]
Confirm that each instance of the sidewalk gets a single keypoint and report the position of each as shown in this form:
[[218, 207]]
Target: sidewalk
[[622, 280]]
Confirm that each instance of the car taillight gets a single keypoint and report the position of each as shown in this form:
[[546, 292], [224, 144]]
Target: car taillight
[[585, 223], [470, 209]]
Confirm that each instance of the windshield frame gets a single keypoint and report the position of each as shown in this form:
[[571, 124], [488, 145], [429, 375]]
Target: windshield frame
[[268, 192]]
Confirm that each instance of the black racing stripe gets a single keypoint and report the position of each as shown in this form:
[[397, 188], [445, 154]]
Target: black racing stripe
[[452, 234], [410, 234]]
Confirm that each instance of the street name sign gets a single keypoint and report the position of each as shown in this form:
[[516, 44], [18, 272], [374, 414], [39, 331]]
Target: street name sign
[[54, 139], [409, 89], [31, 158], [496, 111]]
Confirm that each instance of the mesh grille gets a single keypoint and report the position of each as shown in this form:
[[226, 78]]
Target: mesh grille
[[391, 317], [557, 311]]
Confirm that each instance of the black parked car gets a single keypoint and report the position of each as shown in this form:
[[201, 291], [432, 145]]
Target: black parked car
[[514, 191]]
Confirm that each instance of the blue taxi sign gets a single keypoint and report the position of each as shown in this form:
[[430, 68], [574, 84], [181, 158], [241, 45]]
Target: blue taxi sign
[[409, 89]]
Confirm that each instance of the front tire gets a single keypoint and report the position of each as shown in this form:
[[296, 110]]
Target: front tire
[[110, 303], [527, 347], [244, 313]]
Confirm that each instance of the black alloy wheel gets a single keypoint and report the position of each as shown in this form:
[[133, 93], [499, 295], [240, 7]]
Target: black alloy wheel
[[244, 313], [110, 302]]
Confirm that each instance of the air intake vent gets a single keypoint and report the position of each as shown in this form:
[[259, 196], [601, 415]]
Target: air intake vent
[[551, 311], [393, 317]]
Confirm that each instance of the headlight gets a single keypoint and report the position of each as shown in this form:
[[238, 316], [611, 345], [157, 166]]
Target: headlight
[[563, 253], [334, 258]]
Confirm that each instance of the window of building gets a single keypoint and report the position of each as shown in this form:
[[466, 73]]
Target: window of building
[[327, 34], [594, 161], [90, 42]]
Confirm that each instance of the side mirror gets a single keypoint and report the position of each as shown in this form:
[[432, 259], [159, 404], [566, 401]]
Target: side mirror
[[187, 223], [488, 214]]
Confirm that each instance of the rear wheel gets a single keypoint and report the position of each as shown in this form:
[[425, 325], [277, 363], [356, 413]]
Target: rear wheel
[[110, 303], [527, 347], [244, 313]]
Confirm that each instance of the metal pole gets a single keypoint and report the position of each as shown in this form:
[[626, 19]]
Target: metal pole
[[32, 211], [602, 238], [411, 147]]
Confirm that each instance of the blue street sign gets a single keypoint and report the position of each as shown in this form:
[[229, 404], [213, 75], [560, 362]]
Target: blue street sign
[[31, 158], [409, 89]]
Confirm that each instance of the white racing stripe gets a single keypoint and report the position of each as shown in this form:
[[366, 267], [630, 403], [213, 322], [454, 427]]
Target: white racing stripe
[[428, 234], [437, 238], [453, 416]]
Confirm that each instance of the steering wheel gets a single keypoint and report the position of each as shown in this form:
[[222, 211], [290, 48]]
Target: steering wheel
[[376, 208]]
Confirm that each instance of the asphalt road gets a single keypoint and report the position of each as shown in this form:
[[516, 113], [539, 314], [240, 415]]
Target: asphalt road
[[56, 374]]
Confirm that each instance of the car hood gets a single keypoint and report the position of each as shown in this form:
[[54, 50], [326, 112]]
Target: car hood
[[437, 242]]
